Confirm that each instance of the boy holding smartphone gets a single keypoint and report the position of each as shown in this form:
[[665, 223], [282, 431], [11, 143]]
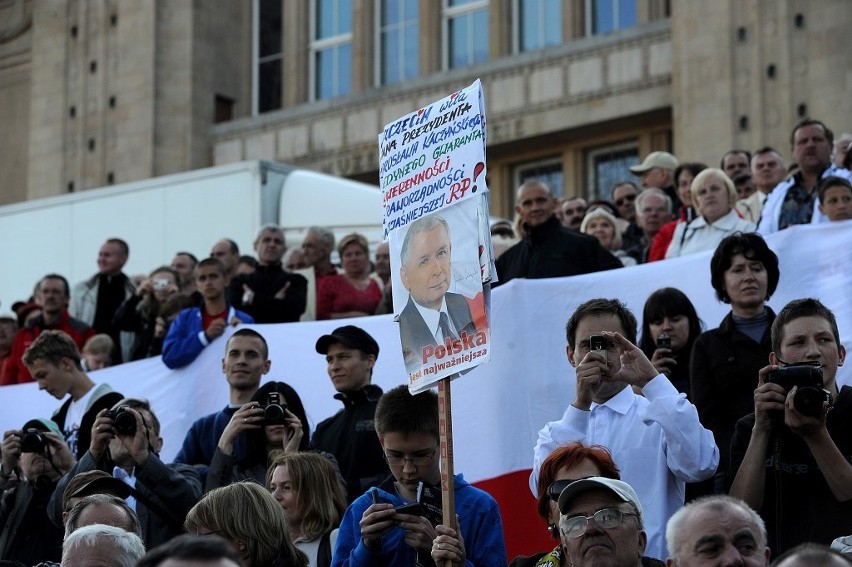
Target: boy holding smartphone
[[376, 530]]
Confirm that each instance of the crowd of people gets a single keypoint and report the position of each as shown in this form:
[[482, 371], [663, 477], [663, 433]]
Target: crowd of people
[[682, 445]]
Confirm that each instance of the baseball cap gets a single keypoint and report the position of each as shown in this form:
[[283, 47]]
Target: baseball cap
[[43, 424], [349, 336], [94, 482], [620, 488], [655, 159]]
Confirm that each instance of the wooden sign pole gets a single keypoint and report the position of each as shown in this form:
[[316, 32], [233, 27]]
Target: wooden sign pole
[[445, 423]]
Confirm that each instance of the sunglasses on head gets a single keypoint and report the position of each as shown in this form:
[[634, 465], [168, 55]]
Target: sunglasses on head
[[557, 486]]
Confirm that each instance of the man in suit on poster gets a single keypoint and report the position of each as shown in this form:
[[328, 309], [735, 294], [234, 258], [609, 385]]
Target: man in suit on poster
[[432, 314]]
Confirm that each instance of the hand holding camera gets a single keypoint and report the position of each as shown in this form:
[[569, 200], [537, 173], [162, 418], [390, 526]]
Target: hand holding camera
[[11, 448], [794, 391]]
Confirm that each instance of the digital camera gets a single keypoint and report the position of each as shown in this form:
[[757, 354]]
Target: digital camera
[[811, 391], [33, 441], [123, 421], [597, 342], [664, 341], [273, 411]]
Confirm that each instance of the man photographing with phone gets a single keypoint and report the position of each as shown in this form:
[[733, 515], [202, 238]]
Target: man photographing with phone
[[790, 459], [397, 522], [655, 439]]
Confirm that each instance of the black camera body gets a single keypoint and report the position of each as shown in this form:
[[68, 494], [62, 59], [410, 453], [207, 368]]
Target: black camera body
[[664, 341], [123, 421], [274, 410], [811, 391], [33, 441]]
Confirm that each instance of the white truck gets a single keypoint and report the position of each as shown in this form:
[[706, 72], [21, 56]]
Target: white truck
[[185, 211]]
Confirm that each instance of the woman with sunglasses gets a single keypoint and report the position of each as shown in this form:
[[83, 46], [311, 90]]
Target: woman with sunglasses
[[565, 465]]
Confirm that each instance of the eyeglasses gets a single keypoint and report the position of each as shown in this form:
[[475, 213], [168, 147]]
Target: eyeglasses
[[626, 199], [416, 460], [606, 518]]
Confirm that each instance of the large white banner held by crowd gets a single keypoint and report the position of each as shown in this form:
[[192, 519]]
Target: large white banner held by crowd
[[498, 407]]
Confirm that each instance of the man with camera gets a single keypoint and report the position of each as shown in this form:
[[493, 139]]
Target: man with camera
[[245, 362], [37, 456], [655, 438], [126, 442], [791, 457]]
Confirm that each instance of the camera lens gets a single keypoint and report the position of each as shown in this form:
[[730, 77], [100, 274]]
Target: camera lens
[[273, 414], [124, 421], [808, 401], [33, 442]]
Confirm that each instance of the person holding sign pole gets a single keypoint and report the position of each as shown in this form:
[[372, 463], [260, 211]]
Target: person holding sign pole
[[395, 524], [432, 314]]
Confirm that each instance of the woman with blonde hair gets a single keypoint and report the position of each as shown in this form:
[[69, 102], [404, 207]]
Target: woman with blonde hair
[[307, 487], [601, 224], [250, 519], [714, 198], [354, 293]]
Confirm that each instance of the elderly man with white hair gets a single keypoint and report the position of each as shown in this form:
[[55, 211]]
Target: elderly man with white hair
[[104, 546]]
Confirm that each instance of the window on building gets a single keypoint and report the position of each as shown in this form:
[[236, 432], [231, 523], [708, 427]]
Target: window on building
[[399, 48], [608, 165], [465, 32], [268, 56], [606, 16], [547, 170], [331, 48], [538, 24]]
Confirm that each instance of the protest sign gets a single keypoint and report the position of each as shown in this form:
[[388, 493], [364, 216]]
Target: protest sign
[[438, 295], [433, 158], [435, 207]]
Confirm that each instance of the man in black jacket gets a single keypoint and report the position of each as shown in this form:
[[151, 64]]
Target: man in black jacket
[[549, 250], [126, 443], [349, 435], [270, 294]]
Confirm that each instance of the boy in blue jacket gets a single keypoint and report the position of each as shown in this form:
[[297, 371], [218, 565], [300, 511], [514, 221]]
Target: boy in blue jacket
[[374, 532], [196, 327]]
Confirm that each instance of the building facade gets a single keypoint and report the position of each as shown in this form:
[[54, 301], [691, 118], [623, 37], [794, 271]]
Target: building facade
[[95, 92]]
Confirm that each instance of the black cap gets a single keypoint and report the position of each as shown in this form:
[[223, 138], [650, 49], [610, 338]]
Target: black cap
[[349, 336]]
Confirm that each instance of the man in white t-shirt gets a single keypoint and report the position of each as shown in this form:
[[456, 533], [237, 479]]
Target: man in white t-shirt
[[54, 362]]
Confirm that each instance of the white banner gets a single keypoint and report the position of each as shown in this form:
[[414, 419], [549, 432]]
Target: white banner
[[499, 407]]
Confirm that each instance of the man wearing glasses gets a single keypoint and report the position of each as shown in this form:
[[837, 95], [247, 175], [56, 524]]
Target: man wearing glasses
[[395, 523], [601, 524]]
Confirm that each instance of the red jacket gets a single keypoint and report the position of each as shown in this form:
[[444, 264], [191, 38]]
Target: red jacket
[[16, 371]]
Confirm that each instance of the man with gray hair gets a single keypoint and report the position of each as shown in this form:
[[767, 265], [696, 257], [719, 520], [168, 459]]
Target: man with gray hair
[[104, 509], [653, 209], [716, 530], [601, 524], [432, 314], [270, 294], [316, 255], [105, 546]]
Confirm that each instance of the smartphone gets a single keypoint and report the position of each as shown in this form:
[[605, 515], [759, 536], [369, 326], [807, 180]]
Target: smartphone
[[597, 342], [664, 341], [414, 509]]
